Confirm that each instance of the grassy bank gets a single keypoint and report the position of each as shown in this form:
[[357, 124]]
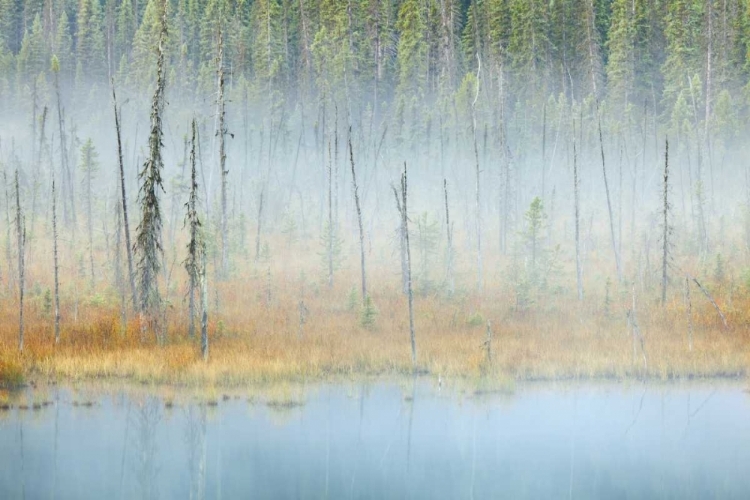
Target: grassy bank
[[258, 334]]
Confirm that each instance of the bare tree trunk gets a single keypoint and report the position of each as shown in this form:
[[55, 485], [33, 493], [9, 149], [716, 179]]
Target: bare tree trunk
[[8, 252], [665, 234], [119, 279], [449, 251], [196, 246], [222, 161], [260, 221], [57, 267], [402, 242], [330, 235], [476, 160], [61, 129], [124, 202], [21, 234], [488, 343], [359, 220], [576, 206], [609, 202], [204, 310], [88, 161], [713, 303], [36, 173], [689, 313], [410, 294]]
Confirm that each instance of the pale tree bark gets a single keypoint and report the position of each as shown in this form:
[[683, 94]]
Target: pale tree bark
[[124, 201], [410, 294], [576, 209], [56, 263], [665, 222], [21, 238], [222, 159], [449, 233], [359, 220], [609, 202]]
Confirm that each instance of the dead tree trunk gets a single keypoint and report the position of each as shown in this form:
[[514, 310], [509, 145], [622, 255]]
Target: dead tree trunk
[[713, 302], [260, 221], [37, 171], [576, 206], [609, 203], [402, 241], [222, 161], [665, 222], [359, 220], [196, 246], [61, 130], [21, 235], [57, 267], [449, 233], [124, 202], [689, 313], [330, 235], [476, 161], [410, 294], [204, 310]]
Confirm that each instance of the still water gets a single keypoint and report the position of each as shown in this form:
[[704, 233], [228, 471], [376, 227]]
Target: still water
[[386, 440]]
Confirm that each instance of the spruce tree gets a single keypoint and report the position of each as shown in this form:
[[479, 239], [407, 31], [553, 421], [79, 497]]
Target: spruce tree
[[148, 234]]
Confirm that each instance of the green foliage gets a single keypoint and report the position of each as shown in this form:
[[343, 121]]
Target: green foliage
[[47, 302], [289, 227], [535, 218], [475, 320], [352, 299], [368, 313], [334, 240], [607, 297], [428, 238]]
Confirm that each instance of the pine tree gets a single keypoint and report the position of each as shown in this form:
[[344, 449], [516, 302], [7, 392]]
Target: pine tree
[[148, 237], [196, 246]]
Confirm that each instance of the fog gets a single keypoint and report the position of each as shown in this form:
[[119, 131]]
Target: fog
[[444, 201]]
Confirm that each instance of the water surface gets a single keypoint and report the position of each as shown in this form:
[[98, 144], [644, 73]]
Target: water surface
[[386, 440]]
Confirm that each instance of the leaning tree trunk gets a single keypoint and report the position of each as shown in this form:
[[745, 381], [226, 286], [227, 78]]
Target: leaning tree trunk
[[359, 220], [410, 294], [124, 202], [609, 204]]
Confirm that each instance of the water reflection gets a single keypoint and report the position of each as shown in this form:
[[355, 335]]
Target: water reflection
[[147, 416], [387, 441]]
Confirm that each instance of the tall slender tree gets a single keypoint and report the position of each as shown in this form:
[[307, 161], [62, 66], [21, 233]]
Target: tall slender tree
[[148, 237]]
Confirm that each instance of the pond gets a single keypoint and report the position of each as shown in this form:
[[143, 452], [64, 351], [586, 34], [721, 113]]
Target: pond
[[385, 440]]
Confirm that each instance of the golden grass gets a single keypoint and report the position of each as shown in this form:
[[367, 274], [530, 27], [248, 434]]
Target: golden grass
[[253, 341]]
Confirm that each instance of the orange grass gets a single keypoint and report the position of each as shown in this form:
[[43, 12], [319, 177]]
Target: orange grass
[[253, 341]]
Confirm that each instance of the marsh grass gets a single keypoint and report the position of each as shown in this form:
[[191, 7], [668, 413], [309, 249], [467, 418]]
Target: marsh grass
[[555, 337]]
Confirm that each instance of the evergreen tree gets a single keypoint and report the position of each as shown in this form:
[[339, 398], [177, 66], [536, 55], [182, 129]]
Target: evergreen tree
[[412, 70]]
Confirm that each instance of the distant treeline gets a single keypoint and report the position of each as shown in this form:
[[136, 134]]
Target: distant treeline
[[413, 63]]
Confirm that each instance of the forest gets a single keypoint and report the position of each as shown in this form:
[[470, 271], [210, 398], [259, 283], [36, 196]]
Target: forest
[[224, 192]]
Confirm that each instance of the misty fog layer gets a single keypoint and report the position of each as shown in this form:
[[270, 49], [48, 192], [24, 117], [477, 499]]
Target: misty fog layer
[[561, 180]]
